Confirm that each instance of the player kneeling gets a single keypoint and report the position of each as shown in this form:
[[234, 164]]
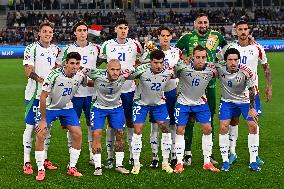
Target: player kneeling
[[149, 97], [55, 103]]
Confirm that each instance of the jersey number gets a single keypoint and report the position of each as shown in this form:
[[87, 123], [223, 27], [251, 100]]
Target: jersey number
[[110, 90], [166, 61], [195, 82], [67, 91], [121, 56], [230, 84], [244, 59], [49, 60], [85, 59], [156, 86]]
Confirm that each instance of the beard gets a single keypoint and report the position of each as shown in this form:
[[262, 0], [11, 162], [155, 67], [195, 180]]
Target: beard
[[203, 31]]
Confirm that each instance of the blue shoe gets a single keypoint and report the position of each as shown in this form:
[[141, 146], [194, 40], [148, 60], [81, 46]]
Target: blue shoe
[[259, 161], [232, 158], [225, 166], [254, 167]]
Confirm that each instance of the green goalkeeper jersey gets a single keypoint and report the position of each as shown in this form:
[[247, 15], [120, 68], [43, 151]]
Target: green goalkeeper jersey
[[211, 41]]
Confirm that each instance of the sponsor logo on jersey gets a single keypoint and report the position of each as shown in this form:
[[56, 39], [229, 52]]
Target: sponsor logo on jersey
[[188, 75], [42, 54], [61, 84], [113, 50], [76, 83]]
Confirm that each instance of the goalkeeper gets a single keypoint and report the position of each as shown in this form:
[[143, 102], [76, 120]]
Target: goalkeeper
[[210, 39]]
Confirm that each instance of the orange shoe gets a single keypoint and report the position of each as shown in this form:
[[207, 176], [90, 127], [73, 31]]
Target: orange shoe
[[72, 171], [28, 168], [40, 175], [210, 167], [178, 168], [48, 165]]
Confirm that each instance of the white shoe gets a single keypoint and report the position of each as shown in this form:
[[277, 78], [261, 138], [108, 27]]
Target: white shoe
[[122, 170], [98, 171]]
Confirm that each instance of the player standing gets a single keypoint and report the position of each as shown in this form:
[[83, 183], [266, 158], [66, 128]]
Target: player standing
[[39, 59], [193, 80], [172, 56], [210, 39], [127, 51], [89, 52], [251, 55], [238, 94], [58, 88]]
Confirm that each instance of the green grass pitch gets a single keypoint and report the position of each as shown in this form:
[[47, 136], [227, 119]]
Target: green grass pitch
[[12, 103]]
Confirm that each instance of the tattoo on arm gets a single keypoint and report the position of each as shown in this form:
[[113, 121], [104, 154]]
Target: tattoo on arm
[[267, 74], [251, 97], [34, 76]]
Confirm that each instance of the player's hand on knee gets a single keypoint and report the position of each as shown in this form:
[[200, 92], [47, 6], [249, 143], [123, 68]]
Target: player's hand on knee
[[253, 114], [41, 127]]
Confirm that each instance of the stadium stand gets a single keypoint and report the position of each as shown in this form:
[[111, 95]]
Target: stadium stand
[[21, 18]]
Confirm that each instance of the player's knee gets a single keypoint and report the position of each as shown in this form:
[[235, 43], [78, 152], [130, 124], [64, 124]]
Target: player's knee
[[252, 128], [138, 128], [164, 127], [224, 129], [207, 129], [77, 135], [180, 130], [234, 121], [97, 134], [119, 134]]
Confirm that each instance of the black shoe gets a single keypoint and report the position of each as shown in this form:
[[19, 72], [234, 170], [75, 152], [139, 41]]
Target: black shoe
[[154, 163], [173, 162], [187, 160]]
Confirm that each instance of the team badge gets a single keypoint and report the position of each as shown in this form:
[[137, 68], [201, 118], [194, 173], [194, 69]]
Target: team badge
[[212, 39]]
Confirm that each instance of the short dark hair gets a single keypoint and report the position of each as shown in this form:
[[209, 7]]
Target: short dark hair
[[74, 55], [240, 22], [198, 48], [161, 28], [121, 21], [45, 23], [231, 51], [201, 14], [79, 24], [157, 54]]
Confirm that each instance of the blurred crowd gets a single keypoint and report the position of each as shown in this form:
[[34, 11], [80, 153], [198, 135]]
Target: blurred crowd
[[217, 16], [22, 26]]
